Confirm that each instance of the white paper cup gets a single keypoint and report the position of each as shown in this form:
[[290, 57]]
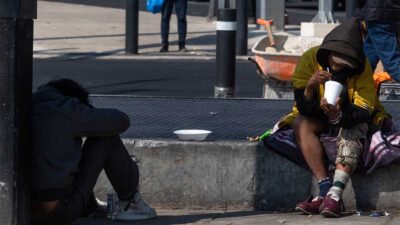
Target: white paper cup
[[332, 91]]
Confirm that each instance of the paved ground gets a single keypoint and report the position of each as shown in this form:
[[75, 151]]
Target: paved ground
[[250, 218], [71, 31], [147, 77], [86, 43]]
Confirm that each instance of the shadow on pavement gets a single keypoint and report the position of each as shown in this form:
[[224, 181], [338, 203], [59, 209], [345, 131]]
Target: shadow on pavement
[[111, 35], [174, 219], [147, 77]]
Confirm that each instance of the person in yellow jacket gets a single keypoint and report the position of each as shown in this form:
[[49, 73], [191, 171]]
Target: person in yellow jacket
[[340, 57]]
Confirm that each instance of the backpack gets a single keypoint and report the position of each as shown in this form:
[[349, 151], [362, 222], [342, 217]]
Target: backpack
[[154, 6]]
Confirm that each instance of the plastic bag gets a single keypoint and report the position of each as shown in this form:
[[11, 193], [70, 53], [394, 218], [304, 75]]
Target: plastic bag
[[154, 6]]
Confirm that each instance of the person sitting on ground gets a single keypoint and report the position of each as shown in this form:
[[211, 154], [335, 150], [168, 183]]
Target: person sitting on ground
[[340, 57], [64, 172]]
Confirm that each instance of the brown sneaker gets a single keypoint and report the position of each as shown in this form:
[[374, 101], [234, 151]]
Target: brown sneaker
[[332, 206], [310, 206]]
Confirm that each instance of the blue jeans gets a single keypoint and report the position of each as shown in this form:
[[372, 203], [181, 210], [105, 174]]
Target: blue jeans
[[166, 11], [381, 44]]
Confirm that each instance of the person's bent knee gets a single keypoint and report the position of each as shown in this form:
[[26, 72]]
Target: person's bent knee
[[349, 146], [300, 122], [307, 125], [348, 153]]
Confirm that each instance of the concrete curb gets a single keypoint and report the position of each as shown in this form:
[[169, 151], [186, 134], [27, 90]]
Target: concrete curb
[[241, 175]]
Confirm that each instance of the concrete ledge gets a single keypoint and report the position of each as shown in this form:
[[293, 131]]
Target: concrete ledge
[[240, 175], [316, 29]]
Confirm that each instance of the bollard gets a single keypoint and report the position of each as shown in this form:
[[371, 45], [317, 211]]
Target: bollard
[[350, 8], [242, 21], [324, 15], [132, 27], [226, 48], [16, 56]]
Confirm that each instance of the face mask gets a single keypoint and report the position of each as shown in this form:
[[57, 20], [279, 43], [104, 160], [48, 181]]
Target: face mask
[[342, 75]]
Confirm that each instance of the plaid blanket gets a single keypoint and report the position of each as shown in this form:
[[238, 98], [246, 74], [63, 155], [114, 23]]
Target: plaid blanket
[[379, 149]]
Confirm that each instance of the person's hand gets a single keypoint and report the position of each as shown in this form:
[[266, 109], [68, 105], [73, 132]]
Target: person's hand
[[318, 78], [332, 111]]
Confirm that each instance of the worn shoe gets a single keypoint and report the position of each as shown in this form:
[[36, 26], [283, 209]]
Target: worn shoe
[[94, 209], [164, 48], [182, 48], [332, 206], [136, 209], [310, 206]]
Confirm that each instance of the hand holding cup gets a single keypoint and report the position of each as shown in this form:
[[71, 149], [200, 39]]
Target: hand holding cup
[[332, 111]]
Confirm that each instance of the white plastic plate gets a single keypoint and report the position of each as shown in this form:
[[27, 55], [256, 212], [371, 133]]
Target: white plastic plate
[[192, 135]]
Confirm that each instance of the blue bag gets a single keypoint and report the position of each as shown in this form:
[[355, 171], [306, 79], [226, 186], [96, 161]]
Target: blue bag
[[154, 6]]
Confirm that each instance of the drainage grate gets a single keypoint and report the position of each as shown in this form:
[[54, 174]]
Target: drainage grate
[[229, 119]]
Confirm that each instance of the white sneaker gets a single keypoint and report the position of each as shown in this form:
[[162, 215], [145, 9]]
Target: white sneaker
[[137, 210]]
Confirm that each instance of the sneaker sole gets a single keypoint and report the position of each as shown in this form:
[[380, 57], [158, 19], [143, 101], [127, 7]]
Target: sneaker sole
[[138, 218], [304, 211], [330, 214]]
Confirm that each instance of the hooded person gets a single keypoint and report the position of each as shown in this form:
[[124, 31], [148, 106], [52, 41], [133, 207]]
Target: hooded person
[[72, 142], [340, 57]]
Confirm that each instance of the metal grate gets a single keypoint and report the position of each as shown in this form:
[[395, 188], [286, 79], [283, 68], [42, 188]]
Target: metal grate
[[229, 119]]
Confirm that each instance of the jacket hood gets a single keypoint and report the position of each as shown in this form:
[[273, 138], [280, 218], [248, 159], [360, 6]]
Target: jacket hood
[[46, 93], [345, 39]]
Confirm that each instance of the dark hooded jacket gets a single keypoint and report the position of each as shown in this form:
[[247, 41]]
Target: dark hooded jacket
[[59, 123], [379, 10], [358, 98]]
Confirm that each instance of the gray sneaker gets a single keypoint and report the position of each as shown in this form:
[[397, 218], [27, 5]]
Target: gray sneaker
[[136, 209]]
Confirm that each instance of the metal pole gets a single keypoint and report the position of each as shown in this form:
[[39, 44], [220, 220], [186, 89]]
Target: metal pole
[[350, 8], [275, 10], [226, 48], [271, 10], [261, 9], [222, 4], [132, 27], [324, 15], [242, 21], [16, 53], [212, 9]]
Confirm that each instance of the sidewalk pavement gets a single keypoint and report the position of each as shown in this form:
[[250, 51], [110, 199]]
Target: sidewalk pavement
[[73, 31], [86, 43], [211, 217]]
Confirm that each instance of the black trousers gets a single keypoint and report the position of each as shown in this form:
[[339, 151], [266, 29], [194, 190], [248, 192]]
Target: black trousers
[[108, 153], [166, 11]]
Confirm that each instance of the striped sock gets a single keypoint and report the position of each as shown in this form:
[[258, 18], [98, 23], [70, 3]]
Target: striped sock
[[339, 183], [324, 186]]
